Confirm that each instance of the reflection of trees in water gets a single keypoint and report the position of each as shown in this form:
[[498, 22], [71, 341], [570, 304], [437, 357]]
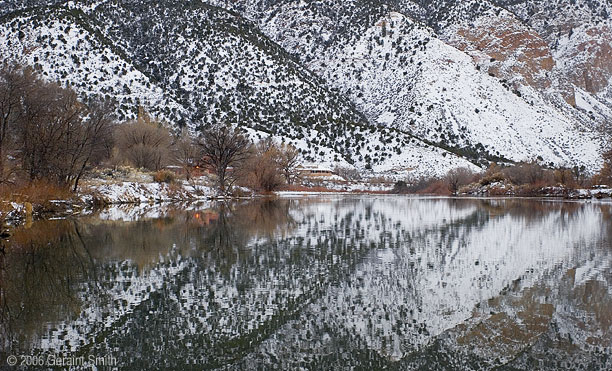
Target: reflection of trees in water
[[226, 240], [606, 212], [556, 323], [529, 210], [142, 243], [323, 255], [342, 307], [247, 275], [39, 279], [246, 241], [50, 267], [303, 268], [274, 279]]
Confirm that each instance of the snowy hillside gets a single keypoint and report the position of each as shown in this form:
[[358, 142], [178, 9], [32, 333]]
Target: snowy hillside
[[411, 80], [179, 71], [64, 48], [393, 85], [402, 74]]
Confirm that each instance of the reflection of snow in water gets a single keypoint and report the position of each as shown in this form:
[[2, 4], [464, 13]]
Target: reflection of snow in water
[[133, 212], [103, 310], [386, 273], [440, 281], [432, 283]]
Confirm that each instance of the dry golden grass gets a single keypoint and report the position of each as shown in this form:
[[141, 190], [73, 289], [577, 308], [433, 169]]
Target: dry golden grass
[[438, 187], [164, 176], [38, 192]]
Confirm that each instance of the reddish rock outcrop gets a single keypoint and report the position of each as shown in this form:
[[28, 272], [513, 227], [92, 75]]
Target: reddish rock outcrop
[[588, 58], [511, 47]]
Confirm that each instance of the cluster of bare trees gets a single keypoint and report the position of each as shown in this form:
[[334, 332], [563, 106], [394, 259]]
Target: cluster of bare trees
[[46, 132], [144, 144], [234, 159], [529, 176], [533, 174], [225, 151], [272, 165], [457, 178]]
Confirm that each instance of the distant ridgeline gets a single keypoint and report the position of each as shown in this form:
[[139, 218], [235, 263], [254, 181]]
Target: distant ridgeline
[[382, 85]]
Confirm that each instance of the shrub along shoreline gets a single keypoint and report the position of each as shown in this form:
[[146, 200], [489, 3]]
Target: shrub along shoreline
[[525, 179], [45, 201]]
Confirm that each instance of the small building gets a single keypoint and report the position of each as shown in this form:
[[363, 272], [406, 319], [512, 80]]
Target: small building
[[315, 171]]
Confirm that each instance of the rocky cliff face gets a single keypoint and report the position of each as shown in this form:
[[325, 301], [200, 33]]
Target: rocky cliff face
[[587, 57], [578, 32], [505, 47]]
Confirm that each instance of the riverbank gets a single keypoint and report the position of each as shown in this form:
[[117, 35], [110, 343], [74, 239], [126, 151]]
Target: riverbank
[[100, 188], [503, 189], [100, 195], [137, 188], [494, 189]]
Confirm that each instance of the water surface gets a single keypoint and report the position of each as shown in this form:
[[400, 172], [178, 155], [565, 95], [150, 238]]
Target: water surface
[[316, 283]]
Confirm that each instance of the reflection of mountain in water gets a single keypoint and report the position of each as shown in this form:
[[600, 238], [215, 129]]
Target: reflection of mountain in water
[[324, 283]]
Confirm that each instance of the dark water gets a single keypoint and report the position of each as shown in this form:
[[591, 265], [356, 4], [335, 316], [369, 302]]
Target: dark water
[[319, 283]]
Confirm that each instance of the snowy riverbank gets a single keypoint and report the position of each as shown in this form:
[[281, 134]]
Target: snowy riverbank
[[141, 189], [503, 189]]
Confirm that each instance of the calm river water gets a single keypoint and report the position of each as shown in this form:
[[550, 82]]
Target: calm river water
[[314, 283]]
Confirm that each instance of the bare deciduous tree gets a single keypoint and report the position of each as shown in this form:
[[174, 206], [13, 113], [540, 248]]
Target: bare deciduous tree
[[264, 167], [457, 178], [604, 177], [185, 153], [564, 177], [58, 135], [15, 83], [224, 150], [289, 161], [580, 173], [143, 143], [94, 141], [525, 173]]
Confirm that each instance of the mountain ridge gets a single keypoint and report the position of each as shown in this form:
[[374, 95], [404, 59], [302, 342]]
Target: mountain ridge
[[293, 74]]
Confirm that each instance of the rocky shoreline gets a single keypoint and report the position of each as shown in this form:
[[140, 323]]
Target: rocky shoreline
[[501, 189], [99, 194]]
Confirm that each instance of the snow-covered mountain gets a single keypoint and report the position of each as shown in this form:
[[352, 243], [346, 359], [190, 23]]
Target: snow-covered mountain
[[397, 84]]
